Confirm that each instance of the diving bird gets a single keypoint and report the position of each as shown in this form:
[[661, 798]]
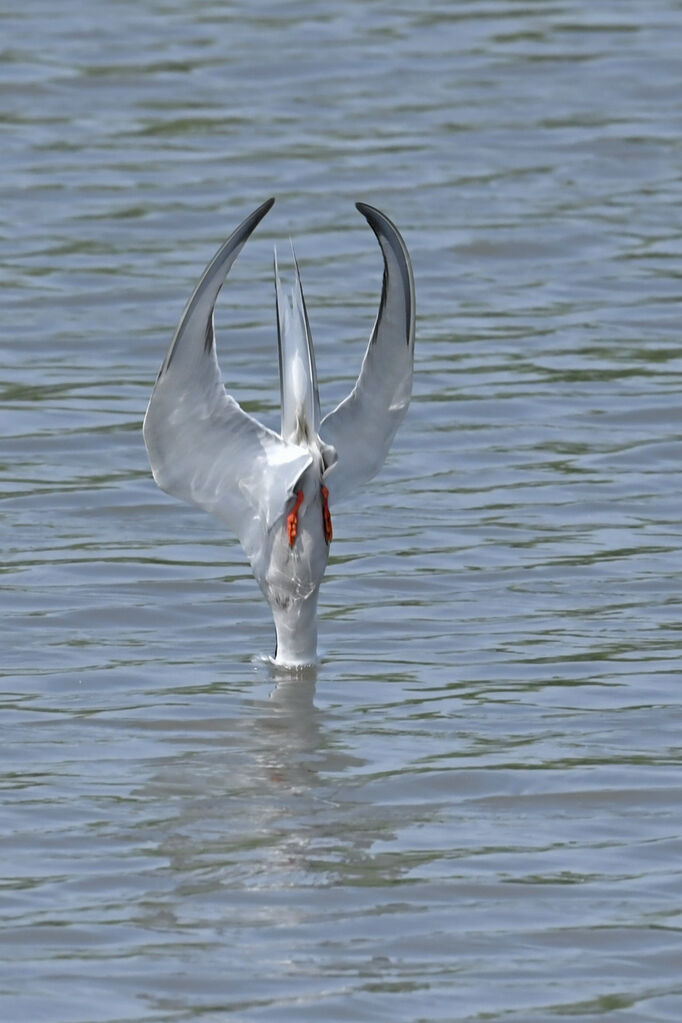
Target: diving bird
[[276, 491]]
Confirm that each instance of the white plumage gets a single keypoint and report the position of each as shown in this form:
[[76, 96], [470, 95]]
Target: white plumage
[[275, 491]]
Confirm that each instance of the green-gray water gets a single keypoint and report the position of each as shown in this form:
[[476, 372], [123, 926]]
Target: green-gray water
[[473, 812]]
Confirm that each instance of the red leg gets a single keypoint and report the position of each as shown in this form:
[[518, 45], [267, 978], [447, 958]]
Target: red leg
[[292, 518], [326, 516]]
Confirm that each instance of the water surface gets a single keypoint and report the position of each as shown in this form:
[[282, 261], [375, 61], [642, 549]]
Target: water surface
[[472, 811]]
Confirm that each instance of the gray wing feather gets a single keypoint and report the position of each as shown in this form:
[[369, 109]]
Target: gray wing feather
[[363, 426], [203, 448]]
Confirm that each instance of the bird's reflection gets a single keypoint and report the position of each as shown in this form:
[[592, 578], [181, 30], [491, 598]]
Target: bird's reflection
[[260, 798], [291, 716], [265, 770], [298, 747]]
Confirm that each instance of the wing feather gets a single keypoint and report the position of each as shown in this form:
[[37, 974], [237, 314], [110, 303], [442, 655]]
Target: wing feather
[[363, 426], [203, 448]]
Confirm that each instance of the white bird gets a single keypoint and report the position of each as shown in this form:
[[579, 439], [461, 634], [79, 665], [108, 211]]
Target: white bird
[[274, 490]]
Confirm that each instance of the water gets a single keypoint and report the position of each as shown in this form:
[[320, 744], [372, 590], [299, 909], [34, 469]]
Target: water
[[473, 810]]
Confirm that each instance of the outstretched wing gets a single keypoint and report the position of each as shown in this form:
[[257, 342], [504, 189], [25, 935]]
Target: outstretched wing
[[363, 426], [202, 447]]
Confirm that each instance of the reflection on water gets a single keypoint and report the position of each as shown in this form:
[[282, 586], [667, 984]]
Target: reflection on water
[[481, 778]]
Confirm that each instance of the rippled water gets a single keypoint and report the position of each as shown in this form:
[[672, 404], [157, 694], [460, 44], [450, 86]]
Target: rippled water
[[473, 810]]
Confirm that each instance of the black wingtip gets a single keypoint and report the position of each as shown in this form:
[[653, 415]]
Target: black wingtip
[[389, 238], [216, 272], [259, 213], [377, 220], [252, 221], [370, 213]]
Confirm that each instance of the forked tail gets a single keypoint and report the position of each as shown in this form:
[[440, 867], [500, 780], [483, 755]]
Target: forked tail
[[297, 373]]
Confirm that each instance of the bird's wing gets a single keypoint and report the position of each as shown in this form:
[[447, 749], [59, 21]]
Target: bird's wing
[[202, 447], [362, 427]]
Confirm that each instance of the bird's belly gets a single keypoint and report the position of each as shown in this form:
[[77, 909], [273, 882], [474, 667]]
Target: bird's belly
[[293, 572]]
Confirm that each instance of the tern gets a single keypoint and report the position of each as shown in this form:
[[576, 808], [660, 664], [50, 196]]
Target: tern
[[276, 491]]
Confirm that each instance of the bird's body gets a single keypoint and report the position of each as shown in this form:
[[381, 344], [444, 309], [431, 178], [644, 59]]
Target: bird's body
[[275, 490]]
